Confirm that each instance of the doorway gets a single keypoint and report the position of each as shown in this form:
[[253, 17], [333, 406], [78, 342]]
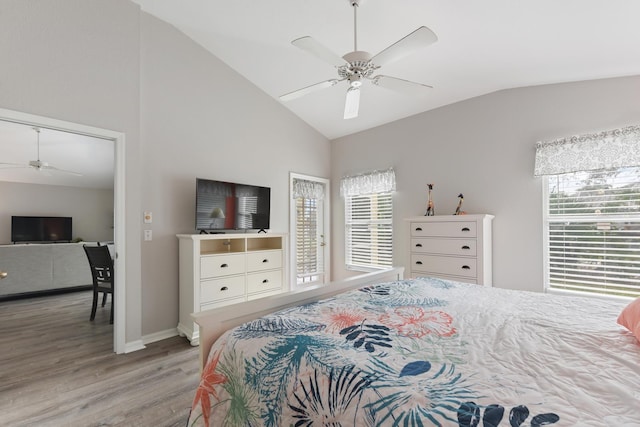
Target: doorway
[[118, 140], [309, 225]]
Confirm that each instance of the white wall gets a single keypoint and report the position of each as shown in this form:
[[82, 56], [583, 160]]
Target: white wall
[[91, 209], [104, 63], [484, 148]]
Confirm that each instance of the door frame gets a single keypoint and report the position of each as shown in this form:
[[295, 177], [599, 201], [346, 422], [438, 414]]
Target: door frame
[[118, 138], [326, 208]]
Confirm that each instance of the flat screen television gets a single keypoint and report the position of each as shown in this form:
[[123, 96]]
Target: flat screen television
[[224, 206], [39, 229]]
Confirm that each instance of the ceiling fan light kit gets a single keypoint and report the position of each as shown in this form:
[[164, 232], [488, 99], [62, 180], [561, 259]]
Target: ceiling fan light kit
[[357, 66]]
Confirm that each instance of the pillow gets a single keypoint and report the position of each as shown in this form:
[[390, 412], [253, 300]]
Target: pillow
[[630, 317]]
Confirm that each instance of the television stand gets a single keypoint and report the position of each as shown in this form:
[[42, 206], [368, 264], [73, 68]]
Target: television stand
[[262, 230]]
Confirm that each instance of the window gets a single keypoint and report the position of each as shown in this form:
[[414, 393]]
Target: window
[[309, 261], [592, 212], [593, 231], [369, 220]]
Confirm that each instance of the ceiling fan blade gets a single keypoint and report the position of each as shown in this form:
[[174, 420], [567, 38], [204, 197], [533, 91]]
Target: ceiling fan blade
[[399, 85], [306, 90], [352, 103], [55, 169], [422, 37], [319, 51], [4, 165]]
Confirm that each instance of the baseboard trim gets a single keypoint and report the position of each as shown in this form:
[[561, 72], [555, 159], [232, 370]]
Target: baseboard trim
[[159, 336], [45, 293], [132, 346]]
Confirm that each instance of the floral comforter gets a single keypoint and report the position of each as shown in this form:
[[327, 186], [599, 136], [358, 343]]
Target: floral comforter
[[426, 352]]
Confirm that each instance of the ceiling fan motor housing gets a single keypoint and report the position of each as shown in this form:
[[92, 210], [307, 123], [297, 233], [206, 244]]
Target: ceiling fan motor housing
[[358, 66]]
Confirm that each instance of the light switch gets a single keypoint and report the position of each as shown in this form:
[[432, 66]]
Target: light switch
[[148, 235], [148, 217]]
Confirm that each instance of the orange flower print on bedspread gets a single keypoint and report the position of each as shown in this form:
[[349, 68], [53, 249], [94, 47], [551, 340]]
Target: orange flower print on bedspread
[[206, 388], [415, 322], [339, 318]]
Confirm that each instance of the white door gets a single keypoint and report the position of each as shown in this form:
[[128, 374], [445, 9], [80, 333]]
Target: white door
[[309, 220]]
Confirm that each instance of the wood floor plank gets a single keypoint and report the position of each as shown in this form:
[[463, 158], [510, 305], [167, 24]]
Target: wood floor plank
[[58, 369]]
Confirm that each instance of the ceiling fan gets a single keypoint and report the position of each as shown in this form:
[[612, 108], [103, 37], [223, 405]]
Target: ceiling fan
[[38, 164], [357, 66]]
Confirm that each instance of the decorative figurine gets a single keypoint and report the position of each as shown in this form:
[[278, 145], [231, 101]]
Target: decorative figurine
[[430, 210], [458, 209]]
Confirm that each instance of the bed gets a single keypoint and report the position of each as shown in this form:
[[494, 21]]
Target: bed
[[421, 352]]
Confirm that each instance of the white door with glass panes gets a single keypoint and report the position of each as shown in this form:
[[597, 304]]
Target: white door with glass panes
[[309, 219]]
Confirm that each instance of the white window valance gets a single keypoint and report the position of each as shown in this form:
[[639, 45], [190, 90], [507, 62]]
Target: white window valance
[[610, 149], [368, 183], [303, 189]]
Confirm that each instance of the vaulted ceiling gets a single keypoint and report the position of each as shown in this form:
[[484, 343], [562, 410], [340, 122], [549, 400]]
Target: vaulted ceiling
[[482, 47]]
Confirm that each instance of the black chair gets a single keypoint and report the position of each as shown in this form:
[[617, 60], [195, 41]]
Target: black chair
[[101, 265]]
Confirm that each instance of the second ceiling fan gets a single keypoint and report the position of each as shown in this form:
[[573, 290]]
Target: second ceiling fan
[[358, 66]]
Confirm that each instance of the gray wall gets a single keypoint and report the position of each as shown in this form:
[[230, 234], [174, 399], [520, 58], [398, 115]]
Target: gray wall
[[201, 119], [78, 61], [484, 148], [104, 63], [91, 209]]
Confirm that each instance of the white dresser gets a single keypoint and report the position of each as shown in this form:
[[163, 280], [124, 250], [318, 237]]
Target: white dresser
[[456, 247], [222, 269]]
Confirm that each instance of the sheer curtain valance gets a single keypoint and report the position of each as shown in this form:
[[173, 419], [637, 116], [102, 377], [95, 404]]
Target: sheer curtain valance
[[303, 189], [605, 150], [368, 183]]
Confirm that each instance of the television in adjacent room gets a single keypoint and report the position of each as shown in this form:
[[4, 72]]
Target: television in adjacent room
[[222, 206], [41, 229]]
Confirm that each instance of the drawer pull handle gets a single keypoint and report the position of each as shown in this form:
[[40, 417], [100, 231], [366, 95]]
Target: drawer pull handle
[[465, 229], [418, 229], [225, 265], [265, 260], [418, 245], [419, 262], [466, 267], [265, 281], [465, 247], [224, 288]]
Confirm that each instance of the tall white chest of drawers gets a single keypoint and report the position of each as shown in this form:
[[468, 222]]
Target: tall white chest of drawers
[[455, 247], [222, 269]]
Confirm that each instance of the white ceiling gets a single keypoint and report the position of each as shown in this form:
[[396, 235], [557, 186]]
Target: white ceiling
[[92, 157], [483, 46]]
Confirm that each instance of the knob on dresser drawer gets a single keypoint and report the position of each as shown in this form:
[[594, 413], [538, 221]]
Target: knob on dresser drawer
[[465, 229]]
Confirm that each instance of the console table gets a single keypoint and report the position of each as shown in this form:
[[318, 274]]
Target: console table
[[40, 268]]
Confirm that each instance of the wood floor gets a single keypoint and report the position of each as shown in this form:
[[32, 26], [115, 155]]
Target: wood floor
[[58, 369]]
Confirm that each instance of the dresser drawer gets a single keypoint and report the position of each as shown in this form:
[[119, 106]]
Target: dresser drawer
[[220, 289], [264, 260], [465, 267], [444, 246], [265, 281], [221, 265], [444, 229]]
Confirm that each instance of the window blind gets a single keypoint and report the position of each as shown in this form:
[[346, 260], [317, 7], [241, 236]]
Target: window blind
[[593, 231], [309, 262], [369, 231]]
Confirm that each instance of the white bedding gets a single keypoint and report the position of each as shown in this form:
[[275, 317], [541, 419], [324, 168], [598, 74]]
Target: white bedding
[[451, 354]]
